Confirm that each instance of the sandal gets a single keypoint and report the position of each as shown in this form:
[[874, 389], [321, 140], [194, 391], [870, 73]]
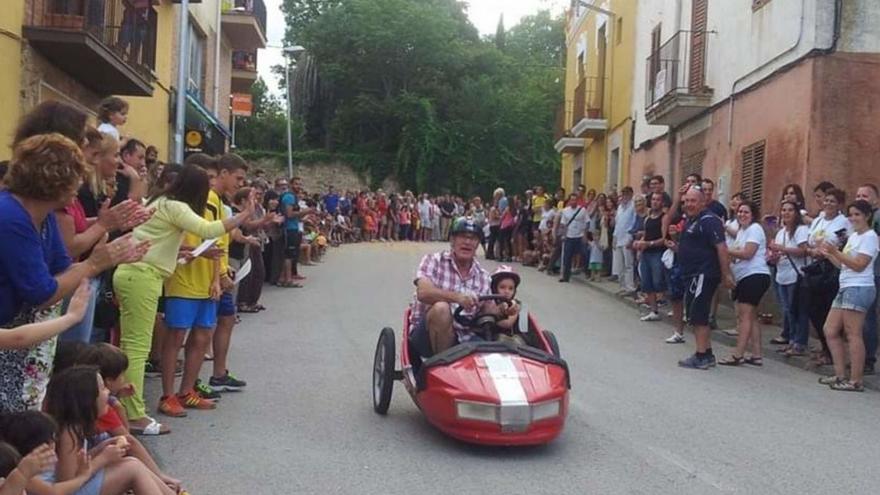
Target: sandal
[[155, 428], [784, 349], [248, 309], [847, 386], [778, 340], [830, 380], [731, 360], [754, 360]]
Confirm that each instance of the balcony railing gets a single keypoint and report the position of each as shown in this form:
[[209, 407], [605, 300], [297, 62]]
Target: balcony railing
[[588, 98], [677, 67], [563, 121], [255, 7], [127, 28], [244, 60]]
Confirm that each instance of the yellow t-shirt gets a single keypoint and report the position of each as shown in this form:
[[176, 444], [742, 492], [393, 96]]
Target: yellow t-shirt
[[537, 207], [193, 280]]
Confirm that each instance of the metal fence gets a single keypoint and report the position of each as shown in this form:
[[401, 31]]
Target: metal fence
[[127, 28], [255, 7], [677, 66]]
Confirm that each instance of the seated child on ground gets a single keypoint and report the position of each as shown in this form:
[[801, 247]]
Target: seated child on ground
[[16, 472], [76, 398], [505, 281], [112, 364]]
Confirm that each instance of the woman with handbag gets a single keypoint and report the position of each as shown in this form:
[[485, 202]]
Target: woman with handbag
[[821, 276], [855, 297], [788, 253]]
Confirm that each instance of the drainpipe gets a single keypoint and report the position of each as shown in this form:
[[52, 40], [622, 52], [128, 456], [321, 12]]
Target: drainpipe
[[789, 50], [217, 58], [672, 134], [182, 69]]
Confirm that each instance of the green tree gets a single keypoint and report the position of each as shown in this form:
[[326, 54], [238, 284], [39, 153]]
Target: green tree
[[412, 82]]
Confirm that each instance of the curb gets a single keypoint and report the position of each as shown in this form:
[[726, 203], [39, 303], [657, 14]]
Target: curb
[[871, 382]]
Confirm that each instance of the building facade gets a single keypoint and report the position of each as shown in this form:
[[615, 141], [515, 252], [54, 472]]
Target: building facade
[[594, 126], [756, 94], [80, 51]]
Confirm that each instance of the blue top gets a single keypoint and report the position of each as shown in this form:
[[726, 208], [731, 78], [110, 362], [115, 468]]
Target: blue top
[[331, 202], [344, 206], [717, 208], [290, 199], [29, 260], [697, 251]]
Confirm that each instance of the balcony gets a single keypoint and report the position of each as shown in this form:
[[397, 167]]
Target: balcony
[[589, 120], [676, 86], [244, 23], [244, 70], [564, 141], [107, 45]]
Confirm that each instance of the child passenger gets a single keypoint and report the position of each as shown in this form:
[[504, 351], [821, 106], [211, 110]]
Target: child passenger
[[505, 281]]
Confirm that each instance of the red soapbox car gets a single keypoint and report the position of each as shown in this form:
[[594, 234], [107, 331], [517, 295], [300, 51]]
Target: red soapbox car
[[488, 392]]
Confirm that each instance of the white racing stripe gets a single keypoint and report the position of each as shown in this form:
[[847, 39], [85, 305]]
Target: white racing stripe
[[505, 377]]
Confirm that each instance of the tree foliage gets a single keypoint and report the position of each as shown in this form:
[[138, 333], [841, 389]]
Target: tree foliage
[[413, 81]]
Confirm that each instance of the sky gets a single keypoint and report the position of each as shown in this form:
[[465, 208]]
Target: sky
[[484, 15]]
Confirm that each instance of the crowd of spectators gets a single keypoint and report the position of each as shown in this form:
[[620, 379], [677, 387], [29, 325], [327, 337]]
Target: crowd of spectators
[[821, 262], [113, 267]]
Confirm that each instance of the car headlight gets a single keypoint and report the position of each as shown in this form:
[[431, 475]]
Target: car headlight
[[546, 410], [479, 411]]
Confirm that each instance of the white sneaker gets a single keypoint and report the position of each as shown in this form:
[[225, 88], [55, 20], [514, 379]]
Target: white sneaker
[[652, 316], [669, 314], [676, 338]]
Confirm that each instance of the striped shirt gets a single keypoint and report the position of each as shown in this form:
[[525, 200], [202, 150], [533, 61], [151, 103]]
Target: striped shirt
[[440, 270]]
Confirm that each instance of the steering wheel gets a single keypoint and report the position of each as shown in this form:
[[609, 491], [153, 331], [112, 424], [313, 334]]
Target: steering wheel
[[480, 323]]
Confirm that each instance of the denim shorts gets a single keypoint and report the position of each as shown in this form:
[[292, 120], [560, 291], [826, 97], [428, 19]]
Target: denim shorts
[[651, 270], [226, 307], [182, 313], [675, 283], [855, 298]]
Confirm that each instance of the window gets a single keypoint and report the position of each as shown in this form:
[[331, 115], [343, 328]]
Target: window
[[577, 177], [693, 164], [197, 47], [655, 55], [752, 183], [618, 31]]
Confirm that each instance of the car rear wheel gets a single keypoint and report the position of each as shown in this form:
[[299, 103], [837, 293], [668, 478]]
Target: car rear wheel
[[383, 371], [551, 340]]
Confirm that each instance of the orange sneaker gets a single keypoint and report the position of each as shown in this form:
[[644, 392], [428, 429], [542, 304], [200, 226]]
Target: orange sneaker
[[170, 406], [192, 400]]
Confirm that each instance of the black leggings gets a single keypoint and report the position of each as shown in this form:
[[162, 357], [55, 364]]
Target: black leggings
[[817, 311], [505, 249], [493, 238]]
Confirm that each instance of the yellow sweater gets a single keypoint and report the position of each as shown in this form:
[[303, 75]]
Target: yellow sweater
[[193, 280], [165, 232]]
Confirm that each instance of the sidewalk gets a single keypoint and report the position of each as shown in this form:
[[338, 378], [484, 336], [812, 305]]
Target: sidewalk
[[726, 333]]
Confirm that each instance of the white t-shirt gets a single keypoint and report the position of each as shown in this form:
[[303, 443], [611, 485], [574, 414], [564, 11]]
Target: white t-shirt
[[785, 272], [753, 234], [546, 220], [867, 244], [734, 224], [822, 229], [575, 220], [108, 128]]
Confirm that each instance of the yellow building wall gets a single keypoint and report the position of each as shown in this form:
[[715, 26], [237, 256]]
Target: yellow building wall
[[566, 170], [11, 19], [617, 95], [148, 117]]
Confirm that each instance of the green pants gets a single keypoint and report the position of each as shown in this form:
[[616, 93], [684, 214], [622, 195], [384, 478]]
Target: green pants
[[138, 287]]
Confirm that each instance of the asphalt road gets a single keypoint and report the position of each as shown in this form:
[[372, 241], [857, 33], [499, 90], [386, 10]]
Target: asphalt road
[[638, 424]]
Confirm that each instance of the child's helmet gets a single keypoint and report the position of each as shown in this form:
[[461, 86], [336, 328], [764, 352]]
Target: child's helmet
[[503, 272]]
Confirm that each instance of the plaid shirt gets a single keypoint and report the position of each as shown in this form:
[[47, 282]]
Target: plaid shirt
[[440, 269]]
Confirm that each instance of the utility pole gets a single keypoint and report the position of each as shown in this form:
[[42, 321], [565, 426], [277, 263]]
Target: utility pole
[[182, 69], [288, 83]]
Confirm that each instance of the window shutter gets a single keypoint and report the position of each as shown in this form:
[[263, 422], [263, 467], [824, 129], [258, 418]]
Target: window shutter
[[753, 171], [699, 19], [693, 164]]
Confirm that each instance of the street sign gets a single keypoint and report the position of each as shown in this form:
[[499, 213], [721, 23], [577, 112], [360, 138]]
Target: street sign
[[242, 105]]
